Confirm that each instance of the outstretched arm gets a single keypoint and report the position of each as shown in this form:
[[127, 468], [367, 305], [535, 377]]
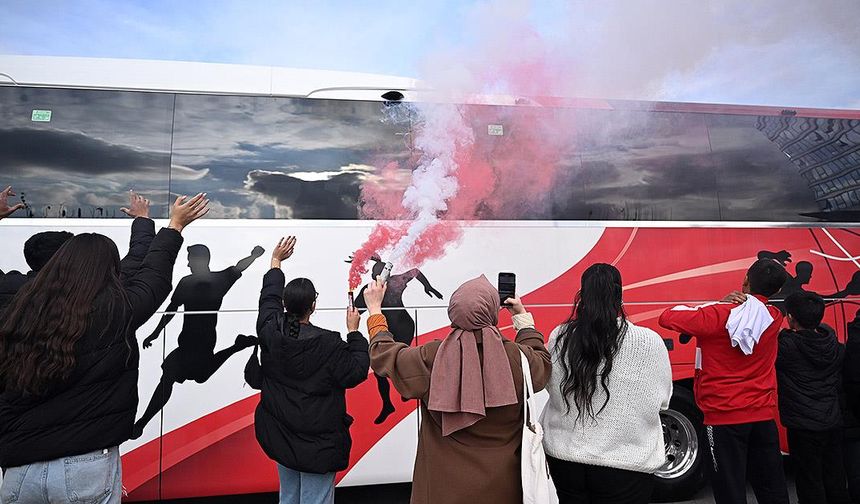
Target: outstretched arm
[[142, 234], [271, 301], [243, 264], [150, 284], [416, 274], [171, 308]]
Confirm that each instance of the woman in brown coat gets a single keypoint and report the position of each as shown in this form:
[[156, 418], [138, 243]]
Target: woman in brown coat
[[471, 391]]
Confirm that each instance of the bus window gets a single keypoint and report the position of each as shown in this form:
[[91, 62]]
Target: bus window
[[635, 165], [263, 157], [759, 178], [72, 153]]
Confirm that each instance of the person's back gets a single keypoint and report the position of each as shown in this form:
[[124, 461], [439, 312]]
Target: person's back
[[69, 362], [735, 384], [627, 434], [731, 387], [303, 372], [809, 370], [470, 388], [610, 380], [851, 404]]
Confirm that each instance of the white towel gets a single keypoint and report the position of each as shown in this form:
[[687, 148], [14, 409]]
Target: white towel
[[747, 322]]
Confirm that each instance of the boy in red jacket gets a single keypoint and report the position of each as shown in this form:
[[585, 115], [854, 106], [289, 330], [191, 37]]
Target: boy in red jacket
[[735, 384]]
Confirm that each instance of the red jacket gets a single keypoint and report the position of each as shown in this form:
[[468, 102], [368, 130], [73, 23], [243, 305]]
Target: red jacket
[[730, 387]]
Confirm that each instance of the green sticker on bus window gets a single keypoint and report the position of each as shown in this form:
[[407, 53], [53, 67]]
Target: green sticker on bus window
[[41, 116]]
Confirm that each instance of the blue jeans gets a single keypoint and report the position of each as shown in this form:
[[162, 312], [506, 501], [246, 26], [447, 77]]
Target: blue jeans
[[305, 488], [93, 478]]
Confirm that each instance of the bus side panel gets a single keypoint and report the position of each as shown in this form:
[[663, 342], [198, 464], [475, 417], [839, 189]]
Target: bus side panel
[[203, 441]]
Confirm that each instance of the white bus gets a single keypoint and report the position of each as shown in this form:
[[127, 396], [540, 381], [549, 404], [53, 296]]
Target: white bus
[[681, 197]]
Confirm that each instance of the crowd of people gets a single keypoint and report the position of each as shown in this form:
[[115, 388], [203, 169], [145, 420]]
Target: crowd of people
[[69, 372]]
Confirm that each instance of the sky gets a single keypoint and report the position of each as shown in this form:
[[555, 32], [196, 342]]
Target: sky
[[772, 52]]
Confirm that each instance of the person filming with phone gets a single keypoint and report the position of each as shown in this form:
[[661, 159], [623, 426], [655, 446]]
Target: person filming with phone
[[471, 390]]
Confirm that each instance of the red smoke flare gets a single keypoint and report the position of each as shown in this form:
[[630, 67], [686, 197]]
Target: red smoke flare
[[383, 236]]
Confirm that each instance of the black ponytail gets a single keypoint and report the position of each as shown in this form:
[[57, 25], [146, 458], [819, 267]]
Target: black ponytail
[[590, 338], [299, 297]]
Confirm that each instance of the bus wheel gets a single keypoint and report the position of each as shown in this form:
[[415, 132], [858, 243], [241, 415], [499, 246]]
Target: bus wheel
[[686, 448]]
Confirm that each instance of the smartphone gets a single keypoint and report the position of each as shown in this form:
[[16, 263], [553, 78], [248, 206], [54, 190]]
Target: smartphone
[[507, 286]]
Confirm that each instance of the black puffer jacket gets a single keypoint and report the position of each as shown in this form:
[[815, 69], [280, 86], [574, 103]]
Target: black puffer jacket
[[851, 381], [301, 421], [95, 408], [809, 374]]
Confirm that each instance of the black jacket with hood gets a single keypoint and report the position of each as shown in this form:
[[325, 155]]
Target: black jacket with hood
[[301, 421], [809, 374], [851, 381], [95, 407]]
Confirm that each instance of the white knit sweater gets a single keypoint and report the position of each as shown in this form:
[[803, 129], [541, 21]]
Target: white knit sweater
[[627, 434]]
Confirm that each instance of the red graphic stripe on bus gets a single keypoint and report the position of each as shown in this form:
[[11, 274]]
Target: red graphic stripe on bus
[[660, 267]]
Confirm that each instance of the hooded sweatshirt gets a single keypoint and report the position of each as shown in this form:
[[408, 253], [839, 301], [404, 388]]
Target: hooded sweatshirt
[[809, 372]]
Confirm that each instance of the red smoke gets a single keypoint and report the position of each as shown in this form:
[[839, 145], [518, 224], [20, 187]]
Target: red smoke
[[506, 176], [382, 237]]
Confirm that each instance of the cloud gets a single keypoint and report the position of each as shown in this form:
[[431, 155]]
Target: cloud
[[334, 198], [72, 151]]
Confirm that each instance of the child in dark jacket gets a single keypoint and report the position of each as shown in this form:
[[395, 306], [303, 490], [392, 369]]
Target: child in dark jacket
[[851, 407], [809, 375]]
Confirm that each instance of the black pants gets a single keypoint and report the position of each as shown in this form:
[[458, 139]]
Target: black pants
[[852, 467], [817, 456], [587, 484], [746, 451]]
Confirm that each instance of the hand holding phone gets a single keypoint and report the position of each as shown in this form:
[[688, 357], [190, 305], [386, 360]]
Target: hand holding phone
[[507, 287]]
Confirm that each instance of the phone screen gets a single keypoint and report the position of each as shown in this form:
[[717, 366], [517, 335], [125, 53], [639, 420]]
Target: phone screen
[[507, 286]]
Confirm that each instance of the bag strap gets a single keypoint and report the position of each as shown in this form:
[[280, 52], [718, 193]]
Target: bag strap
[[528, 390]]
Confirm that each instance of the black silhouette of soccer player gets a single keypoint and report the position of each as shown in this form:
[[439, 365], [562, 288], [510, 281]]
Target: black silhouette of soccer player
[[802, 276], [782, 257], [400, 322], [195, 358], [852, 289]]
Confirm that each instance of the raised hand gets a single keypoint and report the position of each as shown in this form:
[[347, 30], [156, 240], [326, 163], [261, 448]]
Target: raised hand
[[185, 211], [515, 306], [258, 251], [353, 318], [373, 296], [283, 250], [138, 206], [5, 209]]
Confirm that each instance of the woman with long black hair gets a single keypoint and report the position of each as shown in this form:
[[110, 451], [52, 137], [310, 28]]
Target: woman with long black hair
[[610, 380], [303, 373], [69, 362]]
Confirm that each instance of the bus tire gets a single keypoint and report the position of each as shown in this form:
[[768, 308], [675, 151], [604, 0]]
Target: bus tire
[[684, 473]]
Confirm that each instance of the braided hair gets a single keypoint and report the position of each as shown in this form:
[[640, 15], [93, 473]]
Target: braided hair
[[299, 297]]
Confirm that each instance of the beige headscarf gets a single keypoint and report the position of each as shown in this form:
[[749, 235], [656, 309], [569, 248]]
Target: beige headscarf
[[460, 390]]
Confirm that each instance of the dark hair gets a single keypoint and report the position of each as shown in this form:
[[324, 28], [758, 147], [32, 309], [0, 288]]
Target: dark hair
[[299, 297], [589, 339], [807, 308], [39, 248], [199, 251], [49, 315], [766, 277]]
